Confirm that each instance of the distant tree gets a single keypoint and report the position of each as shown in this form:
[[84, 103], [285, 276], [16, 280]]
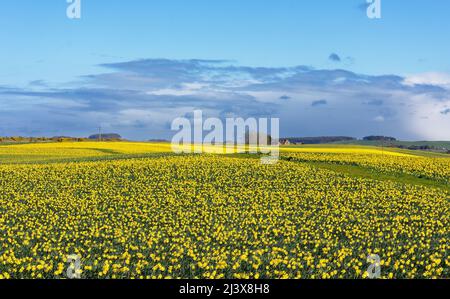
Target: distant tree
[[319, 140], [107, 136], [379, 138]]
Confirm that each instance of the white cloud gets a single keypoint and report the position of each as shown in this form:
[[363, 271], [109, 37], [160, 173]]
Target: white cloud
[[426, 120], [379, 119], [431, 78], [184, 90]]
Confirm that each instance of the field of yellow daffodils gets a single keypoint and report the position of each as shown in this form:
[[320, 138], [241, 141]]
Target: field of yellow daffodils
[[135, 210]]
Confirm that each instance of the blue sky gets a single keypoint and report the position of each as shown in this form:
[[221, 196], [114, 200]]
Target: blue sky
[[127, 65]]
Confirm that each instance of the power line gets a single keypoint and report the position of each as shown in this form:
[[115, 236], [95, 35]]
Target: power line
[[100, 134]]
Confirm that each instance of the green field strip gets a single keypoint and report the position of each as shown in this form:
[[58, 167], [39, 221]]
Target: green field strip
[[364, 172]]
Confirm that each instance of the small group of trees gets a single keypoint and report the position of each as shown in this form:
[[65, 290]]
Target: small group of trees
[[379, 138], [319, 140], [21, 139], [418, 147], [41, 139], [106, 136]]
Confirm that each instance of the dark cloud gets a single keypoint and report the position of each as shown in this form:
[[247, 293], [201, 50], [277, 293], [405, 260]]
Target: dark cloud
[[334, 57], [375, 102], [165, 71], [446, 111], [319, 103], [139, 99]]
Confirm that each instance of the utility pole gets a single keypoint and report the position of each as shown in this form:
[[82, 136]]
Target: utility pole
[[100, 134]]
